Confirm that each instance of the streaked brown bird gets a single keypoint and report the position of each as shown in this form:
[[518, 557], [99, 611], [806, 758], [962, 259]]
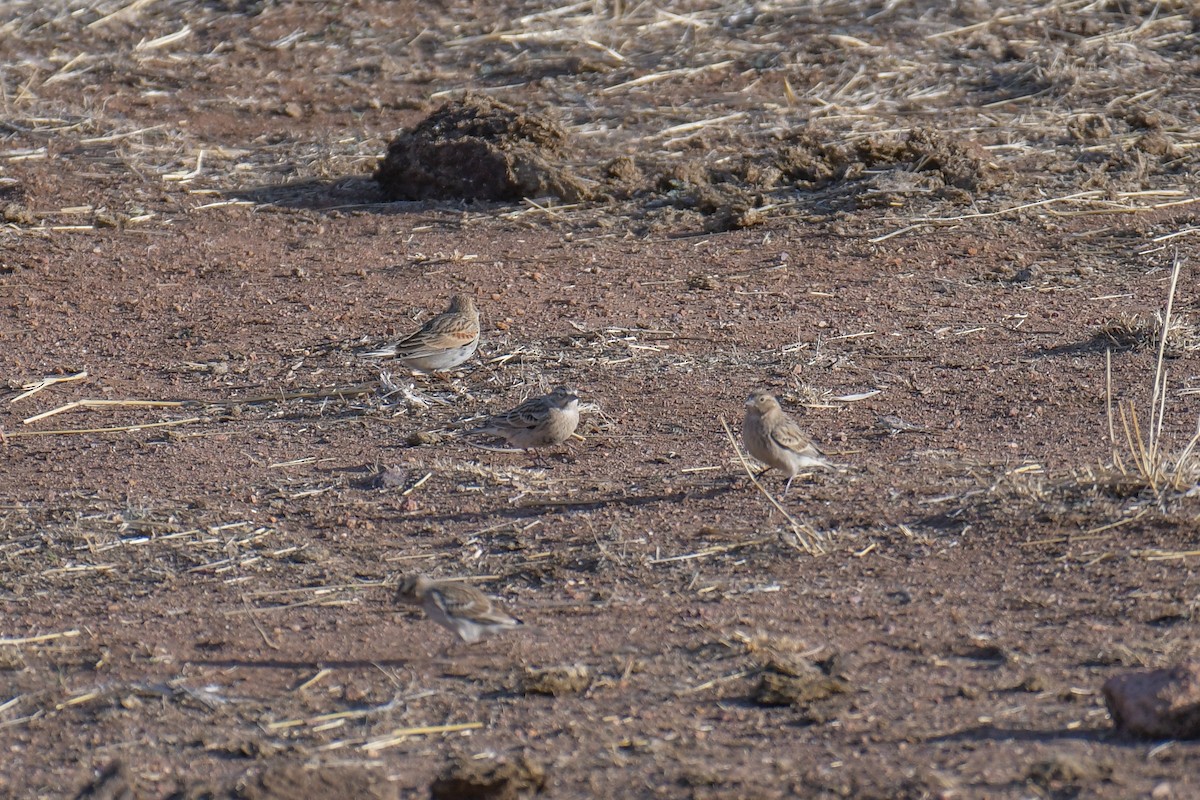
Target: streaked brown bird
[[775, 439], [538, 422], [461, 609], [442, 343]]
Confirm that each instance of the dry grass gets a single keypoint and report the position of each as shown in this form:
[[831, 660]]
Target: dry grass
[[1035, 85], [1143, 332], [1041, 87], [1142, 451], [1149, 467]]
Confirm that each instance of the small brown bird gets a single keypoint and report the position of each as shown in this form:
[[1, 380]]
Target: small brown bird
[[775, 439], [442, 343], [457, 607], [538, 422]]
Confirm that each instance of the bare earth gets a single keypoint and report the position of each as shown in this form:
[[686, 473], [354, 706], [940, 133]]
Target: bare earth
[[919, 210]]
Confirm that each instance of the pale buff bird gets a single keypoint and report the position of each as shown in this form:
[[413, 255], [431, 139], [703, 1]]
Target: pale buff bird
[[538, 422], [442, 343], [457, 607], [775, 439]]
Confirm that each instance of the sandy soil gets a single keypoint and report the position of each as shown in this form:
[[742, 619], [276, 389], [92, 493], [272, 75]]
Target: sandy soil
[[880, 212]]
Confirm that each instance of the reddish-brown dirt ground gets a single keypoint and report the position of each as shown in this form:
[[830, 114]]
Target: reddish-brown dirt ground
[[201, 606]]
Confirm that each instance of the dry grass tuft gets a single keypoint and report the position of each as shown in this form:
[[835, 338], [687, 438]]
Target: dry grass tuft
[[1144, 332], [1140, 452]]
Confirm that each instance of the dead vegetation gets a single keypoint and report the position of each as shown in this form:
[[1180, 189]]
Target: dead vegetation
[[809, 109], [1133, 331], [1143, 452], [229, 551]]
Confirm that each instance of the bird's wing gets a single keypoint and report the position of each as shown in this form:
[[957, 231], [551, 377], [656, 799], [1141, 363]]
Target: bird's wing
[[787, 434], [458, 601], [445, 332], [498, 617], [530, 414], [465, 602]]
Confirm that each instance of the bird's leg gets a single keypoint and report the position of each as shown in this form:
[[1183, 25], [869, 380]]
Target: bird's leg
[[787, 487]]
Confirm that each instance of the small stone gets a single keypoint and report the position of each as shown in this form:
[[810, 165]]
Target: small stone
[[391, 478], [1156, 704]]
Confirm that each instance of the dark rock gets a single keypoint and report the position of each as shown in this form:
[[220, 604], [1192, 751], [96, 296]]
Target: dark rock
[[1156, 704]]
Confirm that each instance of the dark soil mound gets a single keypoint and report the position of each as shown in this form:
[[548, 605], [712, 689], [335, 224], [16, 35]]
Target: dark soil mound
[[479, 149], [932, 161]]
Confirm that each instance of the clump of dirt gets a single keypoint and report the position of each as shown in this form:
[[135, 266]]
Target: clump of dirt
[[111, 784], [555, 681], [1156, 143], [727, 198], [330, 782], [805, 159], [18, 214], [879, 170], [782, 689], [466, 779], [479, 149], [1063, 770], [943, 162], [623, 177], [953, 162], [1089, 127], [789, 677]]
